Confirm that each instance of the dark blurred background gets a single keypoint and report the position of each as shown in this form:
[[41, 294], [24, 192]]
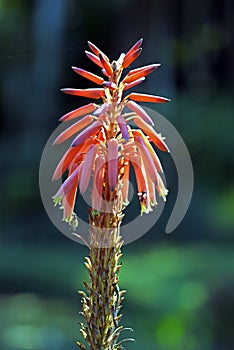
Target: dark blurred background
[[180, 286]]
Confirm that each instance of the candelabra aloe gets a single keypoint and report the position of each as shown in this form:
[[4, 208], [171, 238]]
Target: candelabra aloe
[[104, 151]]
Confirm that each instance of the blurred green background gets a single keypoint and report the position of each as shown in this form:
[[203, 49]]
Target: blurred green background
[[180, 287]]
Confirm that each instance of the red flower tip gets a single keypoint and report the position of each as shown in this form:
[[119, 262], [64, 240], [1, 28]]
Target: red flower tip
[[136, 70], [134, 83], [73, 129], [93, 58], [134, 47], [106, 65], [79, 112], [149, 131], [90, 93], [148, 98], [140, 111], [90, 76], [139, 74], [128, 59], [97, 51], [88, 132]]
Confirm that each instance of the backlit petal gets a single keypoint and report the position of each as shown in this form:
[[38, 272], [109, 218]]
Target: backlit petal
[[79, 112], [140, 111], [90, 76], [70, 182], [90, 93], [149, 131], [73, 129], [65, 162], [94, 58], [136, 70], [134, 47], [87, 169], [89, 131], [147, 159], [112, 163], [134, 83], [130, 58], [106, 65], [98, 183], [125, 182], [147, 98], [123, 126], [140, 73], [96, 50]]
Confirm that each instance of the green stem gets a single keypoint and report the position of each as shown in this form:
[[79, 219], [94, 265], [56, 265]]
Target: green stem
[[102, 301]]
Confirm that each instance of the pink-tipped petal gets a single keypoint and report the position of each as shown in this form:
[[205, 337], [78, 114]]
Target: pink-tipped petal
[[139, 74], [68, 203], [149, 131], [112, 163], [96, 50], [70, 182], [106, 65], [123, 127], [140, 111], [104, 72], [110, 85], [147, 98], [94, 58], [65, 162], [88, 132], [90, 76], [98, 183], [140, 178], [134, 83], [90, 93], [137, 70], [125, 182], [79, 112], [147, 159], [87, 169], [134, 47], [128, 59], [73, 129]]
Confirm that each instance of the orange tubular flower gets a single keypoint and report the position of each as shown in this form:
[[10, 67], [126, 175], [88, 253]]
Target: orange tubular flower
[[105, 146]]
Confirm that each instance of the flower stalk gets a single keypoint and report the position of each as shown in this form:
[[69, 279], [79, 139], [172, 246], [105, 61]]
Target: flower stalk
[[100, 156]]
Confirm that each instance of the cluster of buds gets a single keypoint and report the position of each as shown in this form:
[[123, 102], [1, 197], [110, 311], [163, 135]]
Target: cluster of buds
[[105, 145]]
